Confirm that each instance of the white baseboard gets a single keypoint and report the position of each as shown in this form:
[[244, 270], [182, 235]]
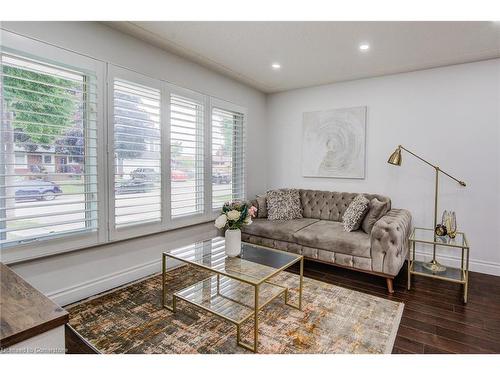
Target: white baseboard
[[92, 287], [489, 268]]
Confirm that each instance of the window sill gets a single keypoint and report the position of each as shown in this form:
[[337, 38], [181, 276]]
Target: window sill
[[15, 254]]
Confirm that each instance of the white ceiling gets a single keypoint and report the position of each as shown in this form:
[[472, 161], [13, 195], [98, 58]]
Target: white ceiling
[[315, 53]]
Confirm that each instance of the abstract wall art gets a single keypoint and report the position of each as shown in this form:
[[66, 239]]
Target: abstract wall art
[[333, 143]]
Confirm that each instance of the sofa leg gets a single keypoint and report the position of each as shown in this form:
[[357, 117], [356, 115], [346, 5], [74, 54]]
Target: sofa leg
[[390, 288]]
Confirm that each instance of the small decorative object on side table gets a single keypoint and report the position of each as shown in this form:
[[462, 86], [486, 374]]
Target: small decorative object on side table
[[454, 275], [449, 220]]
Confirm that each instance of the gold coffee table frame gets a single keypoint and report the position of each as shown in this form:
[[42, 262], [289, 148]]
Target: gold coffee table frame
[[255, 284]]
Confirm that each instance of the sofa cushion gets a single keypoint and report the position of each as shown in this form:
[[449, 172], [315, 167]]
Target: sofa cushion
[[330, 235], [277, 229], [355, 213], [261, 206], [376, 210], [283, 204]]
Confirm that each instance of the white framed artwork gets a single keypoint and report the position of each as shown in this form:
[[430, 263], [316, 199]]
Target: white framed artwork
[[333, 143]]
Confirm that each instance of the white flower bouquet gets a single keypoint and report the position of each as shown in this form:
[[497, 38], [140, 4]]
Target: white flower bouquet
[[235, 214]]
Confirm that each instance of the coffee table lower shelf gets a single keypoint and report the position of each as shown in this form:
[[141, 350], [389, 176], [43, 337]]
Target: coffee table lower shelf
[[231, 300], [228, 298]]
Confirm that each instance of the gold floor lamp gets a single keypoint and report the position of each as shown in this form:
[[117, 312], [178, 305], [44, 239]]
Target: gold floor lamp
[[395, 159]]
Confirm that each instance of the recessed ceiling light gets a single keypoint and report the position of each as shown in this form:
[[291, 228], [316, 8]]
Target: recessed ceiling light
[[275, 66], [364, 47]]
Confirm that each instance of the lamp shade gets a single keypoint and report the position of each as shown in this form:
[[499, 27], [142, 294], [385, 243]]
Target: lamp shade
[[395, 158]]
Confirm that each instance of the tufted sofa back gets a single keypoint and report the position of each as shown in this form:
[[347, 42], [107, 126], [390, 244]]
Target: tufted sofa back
[[330, 205]]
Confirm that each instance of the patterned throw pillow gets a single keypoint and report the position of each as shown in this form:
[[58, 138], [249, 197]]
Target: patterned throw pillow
[[355, 213], [283, 204], [261, 206]]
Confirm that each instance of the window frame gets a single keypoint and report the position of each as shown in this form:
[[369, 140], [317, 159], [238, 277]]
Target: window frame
[[228, 106], [134, 230], [196, 218], [58, 243]]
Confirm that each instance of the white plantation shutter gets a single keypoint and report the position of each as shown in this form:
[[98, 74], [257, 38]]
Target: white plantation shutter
[[228, 156], [48, 152], [137, 153], [186, 156], [162, 158]]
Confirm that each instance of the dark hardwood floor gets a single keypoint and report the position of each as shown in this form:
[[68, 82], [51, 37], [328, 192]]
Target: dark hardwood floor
[[434, 319]]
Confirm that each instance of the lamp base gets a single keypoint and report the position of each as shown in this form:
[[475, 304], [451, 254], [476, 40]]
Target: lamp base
[[434, 266]]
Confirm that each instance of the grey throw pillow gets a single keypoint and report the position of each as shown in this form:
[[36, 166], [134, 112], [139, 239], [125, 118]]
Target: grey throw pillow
[[283, 204], [261, 206], [376, 211], [355, 213]]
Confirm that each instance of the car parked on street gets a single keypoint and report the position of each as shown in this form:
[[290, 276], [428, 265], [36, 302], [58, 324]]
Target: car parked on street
[[37, 190], [146, 174], [134, 186], [221, 178], [177, 175]]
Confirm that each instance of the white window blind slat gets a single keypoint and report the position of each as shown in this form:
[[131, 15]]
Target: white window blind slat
[[44, 68], [48, 168], [187, 156], [137, 151]]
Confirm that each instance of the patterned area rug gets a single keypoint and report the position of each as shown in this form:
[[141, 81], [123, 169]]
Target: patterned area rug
[[333, 320]]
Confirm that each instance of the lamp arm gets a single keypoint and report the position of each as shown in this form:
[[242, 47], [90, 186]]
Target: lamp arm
[[462, 183], [433, 166]]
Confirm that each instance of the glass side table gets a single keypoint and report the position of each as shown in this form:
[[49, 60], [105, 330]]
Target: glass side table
[[454, 275]]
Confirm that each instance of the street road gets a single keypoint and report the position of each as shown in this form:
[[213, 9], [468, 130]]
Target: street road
[[42, 217]]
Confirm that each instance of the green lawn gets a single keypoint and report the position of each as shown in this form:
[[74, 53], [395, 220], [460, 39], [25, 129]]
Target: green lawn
[[71, 189], [20, 224]]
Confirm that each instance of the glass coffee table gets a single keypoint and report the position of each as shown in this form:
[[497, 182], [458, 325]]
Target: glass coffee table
[[238, 287]]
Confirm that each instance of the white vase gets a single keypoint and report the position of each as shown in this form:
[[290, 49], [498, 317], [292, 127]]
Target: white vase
[[233, 242]]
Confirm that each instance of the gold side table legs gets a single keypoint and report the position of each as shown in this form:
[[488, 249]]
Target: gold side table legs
[[450, 274], [408, 284], [466, 276]]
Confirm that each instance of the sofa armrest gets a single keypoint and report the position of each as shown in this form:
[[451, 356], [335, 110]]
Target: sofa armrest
[[389, 241]]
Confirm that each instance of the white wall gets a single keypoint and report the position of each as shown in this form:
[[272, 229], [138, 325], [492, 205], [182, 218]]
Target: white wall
[[448, 115], [73, 276]]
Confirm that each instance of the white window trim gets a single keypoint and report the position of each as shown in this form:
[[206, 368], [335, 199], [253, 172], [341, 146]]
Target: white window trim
[[23, 46], [129, 231], [222, 104]]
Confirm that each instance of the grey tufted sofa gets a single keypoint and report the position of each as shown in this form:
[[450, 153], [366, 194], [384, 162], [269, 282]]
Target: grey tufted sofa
[[319, 235]]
